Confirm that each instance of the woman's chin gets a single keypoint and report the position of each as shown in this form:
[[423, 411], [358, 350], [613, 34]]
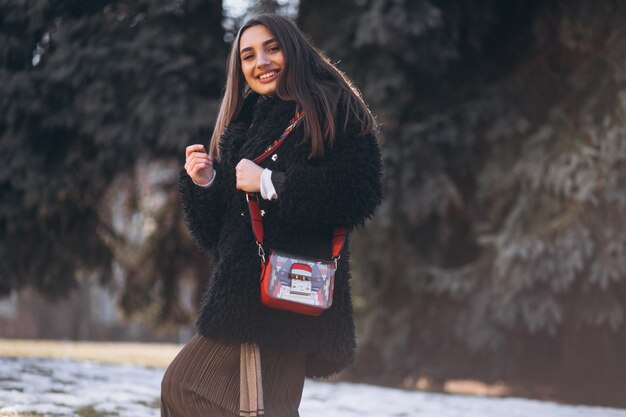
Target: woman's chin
[[264, 89]]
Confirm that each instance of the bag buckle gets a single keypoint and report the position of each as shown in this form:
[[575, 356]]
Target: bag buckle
[[261, 252]]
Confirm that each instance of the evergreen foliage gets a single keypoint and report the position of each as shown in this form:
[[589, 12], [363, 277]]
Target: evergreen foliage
[[503, 222], [88, 90]]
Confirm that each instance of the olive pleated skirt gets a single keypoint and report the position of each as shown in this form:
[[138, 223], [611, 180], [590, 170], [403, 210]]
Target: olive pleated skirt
[[203, 381]]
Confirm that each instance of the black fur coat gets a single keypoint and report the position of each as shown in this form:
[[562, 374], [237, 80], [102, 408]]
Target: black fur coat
[[314, 197]]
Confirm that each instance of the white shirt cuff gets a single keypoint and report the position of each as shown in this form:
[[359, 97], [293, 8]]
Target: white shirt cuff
[[207, 185], [268, 192]]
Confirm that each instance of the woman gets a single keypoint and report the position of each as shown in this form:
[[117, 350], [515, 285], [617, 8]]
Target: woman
[[327, 174]]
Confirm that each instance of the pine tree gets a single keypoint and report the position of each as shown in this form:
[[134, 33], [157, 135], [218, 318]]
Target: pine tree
[[91, 94], [502, 225]]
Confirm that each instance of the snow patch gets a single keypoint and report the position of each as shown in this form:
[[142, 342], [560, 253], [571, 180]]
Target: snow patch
[[61, 387]]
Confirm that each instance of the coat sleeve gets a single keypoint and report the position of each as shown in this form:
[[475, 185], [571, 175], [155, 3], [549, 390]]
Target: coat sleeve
[[342, 190], [203, 208]]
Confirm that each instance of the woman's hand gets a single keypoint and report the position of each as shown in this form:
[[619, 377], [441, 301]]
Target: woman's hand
[[248, 176], [198, 164]]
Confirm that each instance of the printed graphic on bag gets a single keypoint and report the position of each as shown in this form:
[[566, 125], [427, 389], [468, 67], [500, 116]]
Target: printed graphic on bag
[[302, 281]]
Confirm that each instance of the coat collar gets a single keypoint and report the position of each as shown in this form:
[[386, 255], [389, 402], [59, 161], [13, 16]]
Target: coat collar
[[260, 122]]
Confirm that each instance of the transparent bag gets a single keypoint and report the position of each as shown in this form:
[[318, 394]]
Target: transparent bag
[[297, 284]]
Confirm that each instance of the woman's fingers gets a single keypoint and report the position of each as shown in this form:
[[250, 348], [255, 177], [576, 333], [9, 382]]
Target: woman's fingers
[[196, 164], [199, 158], [247, 166], [248, 175], [194, 148], [195, 167]]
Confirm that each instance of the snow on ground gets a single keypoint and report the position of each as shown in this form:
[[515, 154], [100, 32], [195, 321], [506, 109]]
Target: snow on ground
[[71, 388]]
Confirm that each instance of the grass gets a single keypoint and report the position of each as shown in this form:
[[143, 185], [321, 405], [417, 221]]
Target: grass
[[153, 404], [89, 411], [154, 355]]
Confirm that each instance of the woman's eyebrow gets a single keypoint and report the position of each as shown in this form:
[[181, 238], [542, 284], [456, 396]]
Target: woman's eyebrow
[[249, 48]]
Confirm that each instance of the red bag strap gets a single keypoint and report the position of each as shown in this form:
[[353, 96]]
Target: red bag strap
[[339, 238], [292, 125], [256, 218]]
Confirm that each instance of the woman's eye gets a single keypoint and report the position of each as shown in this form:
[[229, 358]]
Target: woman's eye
[[247, 57], [273, 49]]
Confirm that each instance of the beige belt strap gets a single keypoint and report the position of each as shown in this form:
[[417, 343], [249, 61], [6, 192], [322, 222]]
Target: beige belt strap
[[251, 382]]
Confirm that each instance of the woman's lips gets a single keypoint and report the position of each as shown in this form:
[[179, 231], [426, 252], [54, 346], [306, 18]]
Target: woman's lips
[[268, 76]]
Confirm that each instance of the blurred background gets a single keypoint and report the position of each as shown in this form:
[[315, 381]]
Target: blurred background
[[498, 255]]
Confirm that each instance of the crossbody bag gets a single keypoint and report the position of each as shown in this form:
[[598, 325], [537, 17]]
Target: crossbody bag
[[290, 282]]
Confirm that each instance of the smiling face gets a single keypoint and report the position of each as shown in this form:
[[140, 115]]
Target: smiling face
[[262, 59]]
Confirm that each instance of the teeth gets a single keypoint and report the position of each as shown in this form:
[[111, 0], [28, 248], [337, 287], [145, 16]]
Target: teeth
[[267, 75]]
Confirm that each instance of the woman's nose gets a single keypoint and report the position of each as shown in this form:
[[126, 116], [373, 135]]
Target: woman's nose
[[262, 60]]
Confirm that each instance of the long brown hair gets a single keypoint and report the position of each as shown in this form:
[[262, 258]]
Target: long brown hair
[[309, 79]]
